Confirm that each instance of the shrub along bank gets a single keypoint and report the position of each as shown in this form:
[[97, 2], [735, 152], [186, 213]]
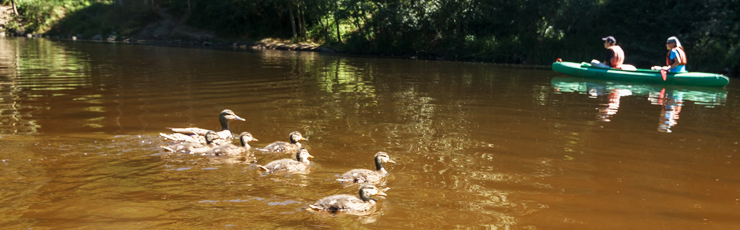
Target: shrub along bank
[[531, 31]]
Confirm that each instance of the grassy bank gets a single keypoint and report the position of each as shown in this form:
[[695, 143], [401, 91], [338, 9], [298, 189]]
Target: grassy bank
[[530, 32]]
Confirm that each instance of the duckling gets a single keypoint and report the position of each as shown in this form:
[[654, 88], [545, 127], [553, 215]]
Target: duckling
[[284, 147], [179, 138], [194, 147], [366, 175], [197, 134], [232, 150], [349, 203], [289, 165]]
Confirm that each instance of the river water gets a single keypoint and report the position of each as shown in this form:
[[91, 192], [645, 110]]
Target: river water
[[476, 145]]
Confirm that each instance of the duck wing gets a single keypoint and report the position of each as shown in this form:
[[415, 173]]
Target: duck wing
[[341, 202], [280, 147], [179, 137], [284, 165], [226, 150], [190, 131], [360, 176]]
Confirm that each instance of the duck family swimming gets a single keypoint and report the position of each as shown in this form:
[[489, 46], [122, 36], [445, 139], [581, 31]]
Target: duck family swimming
[[207, 142]]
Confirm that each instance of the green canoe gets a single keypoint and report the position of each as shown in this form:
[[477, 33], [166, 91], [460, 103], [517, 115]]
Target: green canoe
[[640, 75]]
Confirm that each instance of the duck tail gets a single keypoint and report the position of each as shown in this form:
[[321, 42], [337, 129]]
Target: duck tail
[[187, 131], [313, 208], [169, 137], [262, 168], [168, 148], [263, 150]]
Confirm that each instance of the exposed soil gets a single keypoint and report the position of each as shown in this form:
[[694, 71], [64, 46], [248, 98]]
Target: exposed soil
[[6, 14]]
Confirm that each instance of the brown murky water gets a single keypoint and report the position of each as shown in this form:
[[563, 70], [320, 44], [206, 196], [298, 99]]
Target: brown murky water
[[476, 145]]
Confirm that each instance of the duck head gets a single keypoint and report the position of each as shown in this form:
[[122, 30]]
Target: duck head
[[296, 136], [380, 158], [211, 136], [368, 190], [226, 116], [245, 138], [302, 155]]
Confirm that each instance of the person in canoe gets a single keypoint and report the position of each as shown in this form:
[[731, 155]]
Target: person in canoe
[[614, 55], [675, 58]]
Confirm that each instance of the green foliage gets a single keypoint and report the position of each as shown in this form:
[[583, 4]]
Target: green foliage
[[104, 18], [40, 15]]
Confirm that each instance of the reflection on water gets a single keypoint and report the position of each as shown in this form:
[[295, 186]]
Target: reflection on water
[[476, 146], [670, 99], [670, 108], [12, 120]]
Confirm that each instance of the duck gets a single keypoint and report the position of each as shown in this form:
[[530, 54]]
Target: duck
[[231, 149], [194, 147], [366, 175], [198, 134], [284, 147], [299, 164], [343, 202]]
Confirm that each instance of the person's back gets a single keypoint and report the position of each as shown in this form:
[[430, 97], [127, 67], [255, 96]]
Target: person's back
[[613, 56]]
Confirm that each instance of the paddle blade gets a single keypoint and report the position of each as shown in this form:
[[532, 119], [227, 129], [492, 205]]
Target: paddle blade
[[664, 73]]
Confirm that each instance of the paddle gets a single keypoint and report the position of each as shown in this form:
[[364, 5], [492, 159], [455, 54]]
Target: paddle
[[663, 73]]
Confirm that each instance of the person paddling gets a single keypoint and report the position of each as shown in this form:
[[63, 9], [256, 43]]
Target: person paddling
[[675, 58], [614, 55]]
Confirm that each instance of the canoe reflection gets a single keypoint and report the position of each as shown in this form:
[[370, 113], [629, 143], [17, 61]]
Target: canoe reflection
[[670, 98]]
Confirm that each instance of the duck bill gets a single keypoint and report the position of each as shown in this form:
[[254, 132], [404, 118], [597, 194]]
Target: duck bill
[[255, 139], [304, 139], [391, 161], [381, 193], [238, 118], [310, 156]]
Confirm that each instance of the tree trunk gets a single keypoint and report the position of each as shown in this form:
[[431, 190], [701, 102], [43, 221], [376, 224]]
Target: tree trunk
[[357, 24], [367, 28], [326, 32], [190, 11], [292, 19], [15, 9], [299, 12], [339, 33], [336, 21], [303, 21]]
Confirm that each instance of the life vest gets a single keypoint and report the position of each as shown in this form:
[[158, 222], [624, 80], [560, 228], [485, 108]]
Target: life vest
[[618, 58], [681, 57]]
